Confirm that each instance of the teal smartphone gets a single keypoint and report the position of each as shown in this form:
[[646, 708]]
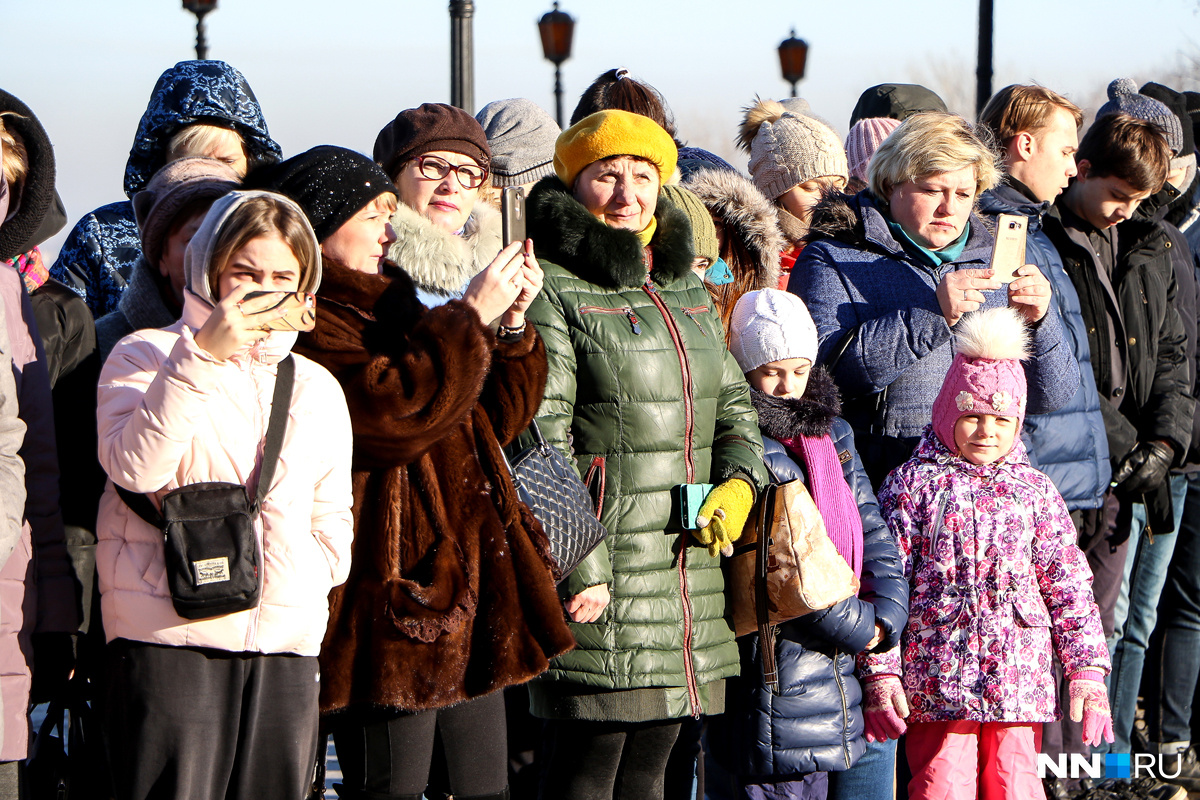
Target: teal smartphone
[[688, 499]]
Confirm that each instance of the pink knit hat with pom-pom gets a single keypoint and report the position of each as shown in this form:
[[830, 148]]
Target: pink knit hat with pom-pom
[[986, 376], [864, 139]]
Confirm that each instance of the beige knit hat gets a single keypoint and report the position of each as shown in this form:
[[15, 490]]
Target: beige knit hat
[[787, 148]]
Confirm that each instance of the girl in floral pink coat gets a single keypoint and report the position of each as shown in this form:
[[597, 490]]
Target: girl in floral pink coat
[[997, 581]]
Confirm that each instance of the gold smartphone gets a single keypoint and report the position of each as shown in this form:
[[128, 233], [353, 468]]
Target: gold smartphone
[[1008, 252], [300, 310]]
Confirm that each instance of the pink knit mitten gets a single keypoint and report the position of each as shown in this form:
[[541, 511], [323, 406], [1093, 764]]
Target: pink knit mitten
[[1089, 703], [885, 708]]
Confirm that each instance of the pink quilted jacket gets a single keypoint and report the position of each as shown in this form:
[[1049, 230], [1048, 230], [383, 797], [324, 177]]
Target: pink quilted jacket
[[171, 415], [998, 587]]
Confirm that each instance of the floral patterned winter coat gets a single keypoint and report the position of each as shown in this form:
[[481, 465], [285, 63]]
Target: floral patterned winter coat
[[997, 580]]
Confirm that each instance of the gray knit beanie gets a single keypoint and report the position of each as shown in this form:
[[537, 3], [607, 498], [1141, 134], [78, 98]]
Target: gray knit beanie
[[1123, 98], [787, 149], [771, 325], [521, 135]]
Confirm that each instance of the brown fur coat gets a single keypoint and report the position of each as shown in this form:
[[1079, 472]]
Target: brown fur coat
[[449, 596]]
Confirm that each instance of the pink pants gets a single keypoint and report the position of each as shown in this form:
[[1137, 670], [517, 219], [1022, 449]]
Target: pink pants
[[968, 760]]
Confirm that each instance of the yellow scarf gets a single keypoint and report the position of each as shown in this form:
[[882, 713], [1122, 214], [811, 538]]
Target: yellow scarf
[[648, 234]]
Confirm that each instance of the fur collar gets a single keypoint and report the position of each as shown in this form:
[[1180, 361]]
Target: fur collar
[[439, 261], [811, 415], [838, 216], [564, 233], [746, 213]]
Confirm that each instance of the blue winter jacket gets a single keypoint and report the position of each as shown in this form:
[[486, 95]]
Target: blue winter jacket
[[98, 255], [814, 723], [879, 323], [1068, 444]]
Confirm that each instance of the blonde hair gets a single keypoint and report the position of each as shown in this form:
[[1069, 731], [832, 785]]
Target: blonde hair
[[266, 216], [933, 143], [199, 139], [16, 157]]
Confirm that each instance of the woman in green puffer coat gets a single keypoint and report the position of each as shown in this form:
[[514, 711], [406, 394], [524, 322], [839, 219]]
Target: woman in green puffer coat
[[644, 394]]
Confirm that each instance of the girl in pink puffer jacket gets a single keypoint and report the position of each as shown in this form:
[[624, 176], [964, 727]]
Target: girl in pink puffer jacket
[[998, 588], [224, 706]]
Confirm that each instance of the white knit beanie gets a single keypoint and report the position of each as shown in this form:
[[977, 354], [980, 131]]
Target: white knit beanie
[[771, 325], [792, 149]]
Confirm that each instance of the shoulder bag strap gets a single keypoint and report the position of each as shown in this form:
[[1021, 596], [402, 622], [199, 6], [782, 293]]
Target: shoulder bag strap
[[766, 631], [281, 403]]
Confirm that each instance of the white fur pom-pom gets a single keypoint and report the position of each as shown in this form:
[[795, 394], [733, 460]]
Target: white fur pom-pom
[[996, 334]]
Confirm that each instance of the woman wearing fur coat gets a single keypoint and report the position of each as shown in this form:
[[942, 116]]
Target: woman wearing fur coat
[[446, 232], [450, 595]]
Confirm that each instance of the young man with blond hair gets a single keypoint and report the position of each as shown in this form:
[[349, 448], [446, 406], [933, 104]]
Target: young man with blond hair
[[1036, 130]]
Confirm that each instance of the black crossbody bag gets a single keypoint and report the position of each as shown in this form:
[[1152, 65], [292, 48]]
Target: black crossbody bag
[[214, 563]]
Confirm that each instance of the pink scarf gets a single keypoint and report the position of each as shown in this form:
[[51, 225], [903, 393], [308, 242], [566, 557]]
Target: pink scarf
[[833, 496]]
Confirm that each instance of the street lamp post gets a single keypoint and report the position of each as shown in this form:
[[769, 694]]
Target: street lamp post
[[557, 28], [983, 71], [462, 48], [200, 8], [793, 53]]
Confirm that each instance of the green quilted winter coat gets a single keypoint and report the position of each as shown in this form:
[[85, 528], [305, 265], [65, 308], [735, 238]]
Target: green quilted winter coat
[[644, 391]]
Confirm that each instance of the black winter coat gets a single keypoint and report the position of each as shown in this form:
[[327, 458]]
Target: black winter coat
[[1157, 402], [815, 722]]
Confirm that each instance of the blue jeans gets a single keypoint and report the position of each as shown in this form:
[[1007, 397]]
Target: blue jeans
[[1173, 661], [1146, 565], [871, 778]]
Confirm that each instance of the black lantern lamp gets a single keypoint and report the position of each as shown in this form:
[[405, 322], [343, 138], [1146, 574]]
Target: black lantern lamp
[[793, 53], [557, 28]]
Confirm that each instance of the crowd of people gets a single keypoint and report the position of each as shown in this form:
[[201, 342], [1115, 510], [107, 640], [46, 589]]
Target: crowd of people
[[329, 360]]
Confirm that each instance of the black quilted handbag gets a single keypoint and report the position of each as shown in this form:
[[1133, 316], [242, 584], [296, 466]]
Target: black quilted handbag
[[549, 485]]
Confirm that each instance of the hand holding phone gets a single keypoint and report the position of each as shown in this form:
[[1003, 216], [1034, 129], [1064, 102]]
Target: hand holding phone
[[1008, 251], [290, 311]]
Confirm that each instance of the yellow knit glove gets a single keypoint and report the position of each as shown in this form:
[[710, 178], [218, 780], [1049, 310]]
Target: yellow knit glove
[[723, 516]]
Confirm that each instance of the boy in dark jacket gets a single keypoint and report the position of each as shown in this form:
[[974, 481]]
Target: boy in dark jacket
[[1127, 292], [1037, 130], [781, 742]]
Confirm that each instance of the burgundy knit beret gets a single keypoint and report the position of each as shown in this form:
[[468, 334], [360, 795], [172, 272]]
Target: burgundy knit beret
[[430, 127]]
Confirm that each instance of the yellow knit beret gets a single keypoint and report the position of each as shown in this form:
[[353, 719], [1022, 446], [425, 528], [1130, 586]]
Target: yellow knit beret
[[613, 133]]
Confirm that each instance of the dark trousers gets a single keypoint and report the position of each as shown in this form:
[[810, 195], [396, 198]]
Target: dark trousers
[[606, 760], [1172, 674], [187, 723], [1107, 561], [387, 754]]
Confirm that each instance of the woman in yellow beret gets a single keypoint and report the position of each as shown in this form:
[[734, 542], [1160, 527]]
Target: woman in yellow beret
[[644, 395]]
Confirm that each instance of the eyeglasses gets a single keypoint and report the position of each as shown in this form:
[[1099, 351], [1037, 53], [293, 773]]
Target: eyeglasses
[[433, 168]]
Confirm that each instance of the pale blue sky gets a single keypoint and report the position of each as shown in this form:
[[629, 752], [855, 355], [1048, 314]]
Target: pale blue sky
[[334, 71]]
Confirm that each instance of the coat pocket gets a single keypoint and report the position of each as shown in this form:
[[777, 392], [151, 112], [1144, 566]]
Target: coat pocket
[[433, 598], [1029, 611]]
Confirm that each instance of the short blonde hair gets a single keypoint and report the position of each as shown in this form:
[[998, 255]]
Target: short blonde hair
[[199, 139], [933, 143], [16, 158], [1024, 108]]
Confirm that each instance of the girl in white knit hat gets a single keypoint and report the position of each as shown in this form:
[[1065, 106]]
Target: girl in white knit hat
[[781, 742]]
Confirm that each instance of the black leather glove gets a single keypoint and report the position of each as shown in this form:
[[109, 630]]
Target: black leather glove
[[1145, 468]]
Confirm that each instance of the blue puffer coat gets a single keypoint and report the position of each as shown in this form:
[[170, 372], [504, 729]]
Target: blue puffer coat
[[98, 255], [878, 321], [1069, 444], [814, 723]]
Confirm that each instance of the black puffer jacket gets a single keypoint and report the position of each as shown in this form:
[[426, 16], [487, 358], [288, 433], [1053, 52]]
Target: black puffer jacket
[[1157, 402], [815, 722]]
